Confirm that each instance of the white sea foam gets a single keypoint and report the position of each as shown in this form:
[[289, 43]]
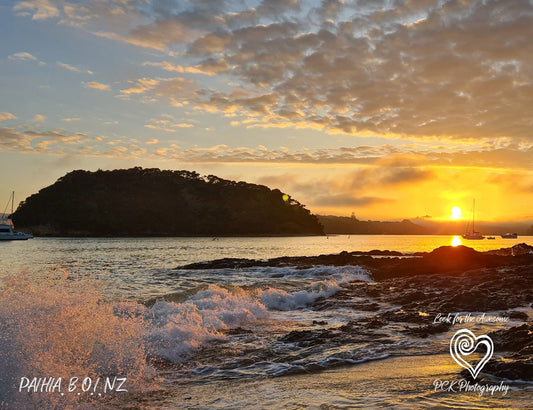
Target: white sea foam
[[59, 327], [341, 274], [63, 327], [281, 300], [175, 329], [333, 277]]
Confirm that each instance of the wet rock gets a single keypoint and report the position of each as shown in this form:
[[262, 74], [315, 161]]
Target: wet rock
[[521, 249], [428, 330], [307, 337], [403, 316], [367, 307], [383, 253], [391, 264], [513, 339], [319, 322], [417, 295], [516, 250], [225, 263], [512, 370], [375, 323], [518, 365]]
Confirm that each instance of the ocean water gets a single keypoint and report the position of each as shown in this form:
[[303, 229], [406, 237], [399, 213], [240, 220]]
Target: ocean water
[[95, 312]]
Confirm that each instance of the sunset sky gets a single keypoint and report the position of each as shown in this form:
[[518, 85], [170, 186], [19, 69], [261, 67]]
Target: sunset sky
[[388, 109]]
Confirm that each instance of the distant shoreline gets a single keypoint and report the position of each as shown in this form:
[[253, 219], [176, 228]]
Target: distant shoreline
[[37, 235], [177, 236]]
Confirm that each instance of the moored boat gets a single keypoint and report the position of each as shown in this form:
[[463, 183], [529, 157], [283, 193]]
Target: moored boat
[[509, 236], [7, 232], [473, 234]]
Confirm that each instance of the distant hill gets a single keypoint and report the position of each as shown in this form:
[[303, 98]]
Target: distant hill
[[151, 202], [353, 226], [486, 228]]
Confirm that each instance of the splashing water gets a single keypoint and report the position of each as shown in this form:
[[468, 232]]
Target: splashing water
[[176, 329], [56, 325], [62, 327]]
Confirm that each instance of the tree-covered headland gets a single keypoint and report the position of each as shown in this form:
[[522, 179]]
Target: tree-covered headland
[[152, 202]]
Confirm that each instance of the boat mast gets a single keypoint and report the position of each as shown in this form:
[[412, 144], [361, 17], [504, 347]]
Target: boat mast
[[473, 213], [12, 202]]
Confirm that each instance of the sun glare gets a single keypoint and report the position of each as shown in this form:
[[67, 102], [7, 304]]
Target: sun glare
[[456, 213], [456, 241]]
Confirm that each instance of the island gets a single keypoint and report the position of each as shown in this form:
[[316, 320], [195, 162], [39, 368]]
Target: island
[[154, 202]]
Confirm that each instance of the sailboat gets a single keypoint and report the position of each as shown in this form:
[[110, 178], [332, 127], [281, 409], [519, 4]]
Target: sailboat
[[473, 234], [6, 225]]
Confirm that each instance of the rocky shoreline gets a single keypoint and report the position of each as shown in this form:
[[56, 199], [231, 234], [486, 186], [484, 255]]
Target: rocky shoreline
[[418, 287], [387, 264]]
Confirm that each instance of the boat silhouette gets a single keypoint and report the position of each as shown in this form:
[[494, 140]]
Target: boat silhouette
[[473, 234]]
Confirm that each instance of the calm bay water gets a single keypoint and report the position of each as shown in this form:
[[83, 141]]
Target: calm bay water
[[139, 268], [198, 328], [132, 259]]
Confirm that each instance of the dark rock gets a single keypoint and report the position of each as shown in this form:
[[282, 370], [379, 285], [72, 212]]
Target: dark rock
[[513, 370], [375, 323], [417, 295], [403, 316], [425, 331], [319, 322], [517, 315], [367, 307], [513, 339], [307, 337]]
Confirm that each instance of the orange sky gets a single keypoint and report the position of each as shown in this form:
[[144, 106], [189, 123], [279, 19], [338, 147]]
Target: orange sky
[[385, 109]]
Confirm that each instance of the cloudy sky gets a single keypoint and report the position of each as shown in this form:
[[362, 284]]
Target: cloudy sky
[[385, 108]]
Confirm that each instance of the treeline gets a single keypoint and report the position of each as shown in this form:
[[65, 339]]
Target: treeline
[[152, 202], [353, 226]]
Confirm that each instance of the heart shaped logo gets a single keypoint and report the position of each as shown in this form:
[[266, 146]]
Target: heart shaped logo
[[464, 343]]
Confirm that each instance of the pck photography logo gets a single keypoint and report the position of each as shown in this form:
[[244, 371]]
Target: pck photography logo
[[464, 343]]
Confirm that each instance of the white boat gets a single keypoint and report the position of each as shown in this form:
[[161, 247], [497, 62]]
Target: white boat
[[7, 232], [473, 234]]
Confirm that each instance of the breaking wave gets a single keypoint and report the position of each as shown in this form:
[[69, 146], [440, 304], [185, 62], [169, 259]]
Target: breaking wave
[[174, 330], [60, 326]]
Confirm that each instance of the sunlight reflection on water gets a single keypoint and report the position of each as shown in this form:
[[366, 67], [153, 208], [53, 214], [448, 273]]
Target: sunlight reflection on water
[[456, 241]]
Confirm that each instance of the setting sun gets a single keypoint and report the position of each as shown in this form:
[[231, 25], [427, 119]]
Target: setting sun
[[456, 213]]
